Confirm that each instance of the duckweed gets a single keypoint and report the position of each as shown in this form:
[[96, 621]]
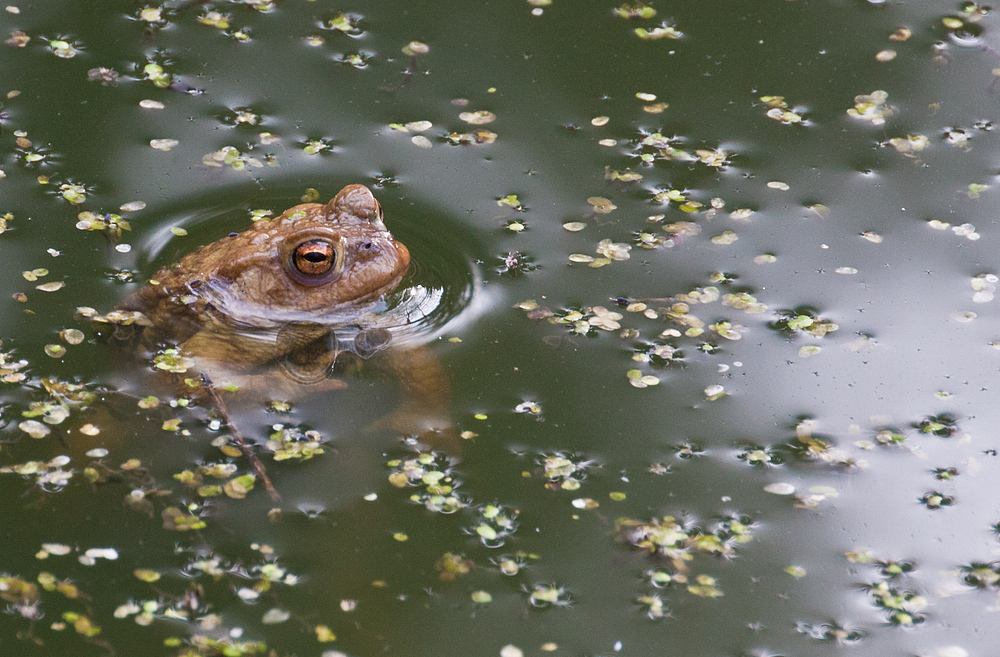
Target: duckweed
[[549, 595], [494, 524], [779, 110], [662, 31], [294, 443], [666, 339], [873, 108], [451, 566], [565, 471]]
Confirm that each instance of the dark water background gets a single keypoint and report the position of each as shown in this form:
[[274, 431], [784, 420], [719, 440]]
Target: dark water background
[[893, 549]]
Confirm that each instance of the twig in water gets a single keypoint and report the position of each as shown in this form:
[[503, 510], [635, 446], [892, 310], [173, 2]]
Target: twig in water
[[247, 450]]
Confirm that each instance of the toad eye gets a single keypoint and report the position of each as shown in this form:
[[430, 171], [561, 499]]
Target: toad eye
[[314, 258]]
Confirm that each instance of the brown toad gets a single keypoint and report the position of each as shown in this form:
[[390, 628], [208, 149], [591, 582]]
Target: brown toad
[[274, 308]]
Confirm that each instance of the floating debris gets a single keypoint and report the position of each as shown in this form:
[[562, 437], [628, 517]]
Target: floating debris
[[873, 108]]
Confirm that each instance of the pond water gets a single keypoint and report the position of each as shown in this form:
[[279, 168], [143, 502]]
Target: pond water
[[711, 283]]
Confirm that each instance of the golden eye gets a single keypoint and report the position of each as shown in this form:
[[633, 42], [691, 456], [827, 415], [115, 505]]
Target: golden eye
[[314, 258]]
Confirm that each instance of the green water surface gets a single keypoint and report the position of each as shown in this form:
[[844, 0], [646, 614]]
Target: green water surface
[[717, 317]]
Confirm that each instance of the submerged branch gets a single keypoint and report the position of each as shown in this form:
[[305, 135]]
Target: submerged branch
[[247, 450]]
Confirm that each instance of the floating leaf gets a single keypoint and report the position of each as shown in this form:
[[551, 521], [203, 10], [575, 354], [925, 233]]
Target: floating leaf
[[664, 31], [705, 587], [72, 336], [872, 108], [780, 488], [324, 634], [819, 210], [171, 360], [274, 616], [416, 48], [63, 49], [622, 176], [34, 428], [481, 597], [975, 189], [637, 10], [176, 520], [164, 144], [613, 250], [910, 144], [601, 205], [714, 392], [511, 201], [239, 487], [638, 380], [481, 117], [75, 194], [798, 572], [344, 22]]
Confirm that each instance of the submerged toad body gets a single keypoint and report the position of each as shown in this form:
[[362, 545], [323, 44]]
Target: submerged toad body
[[288, 296]]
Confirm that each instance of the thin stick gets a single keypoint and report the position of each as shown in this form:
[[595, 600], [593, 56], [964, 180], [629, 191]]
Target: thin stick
[[410, 70], [248, 452]]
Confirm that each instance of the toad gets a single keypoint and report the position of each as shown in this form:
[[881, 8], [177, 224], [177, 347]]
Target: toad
[[278, 309]]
